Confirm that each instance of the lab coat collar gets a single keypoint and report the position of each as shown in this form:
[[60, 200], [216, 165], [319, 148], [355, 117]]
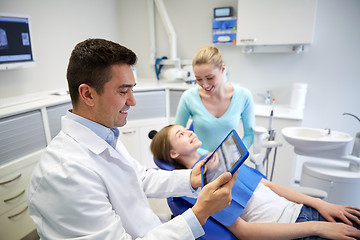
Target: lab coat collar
[[86, 137], [110, 135]]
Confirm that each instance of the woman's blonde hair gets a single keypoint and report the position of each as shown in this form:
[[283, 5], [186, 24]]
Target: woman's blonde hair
[[208, 55], [160, 147]]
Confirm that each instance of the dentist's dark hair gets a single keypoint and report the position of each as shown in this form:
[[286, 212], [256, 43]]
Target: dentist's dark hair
[[90, 63]]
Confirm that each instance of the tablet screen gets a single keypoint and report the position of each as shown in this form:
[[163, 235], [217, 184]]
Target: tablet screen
[[230, 154]]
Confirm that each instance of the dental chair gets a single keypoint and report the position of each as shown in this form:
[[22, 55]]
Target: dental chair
[[213, 229]]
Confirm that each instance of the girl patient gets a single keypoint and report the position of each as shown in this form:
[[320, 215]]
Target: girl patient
[[280, 213]]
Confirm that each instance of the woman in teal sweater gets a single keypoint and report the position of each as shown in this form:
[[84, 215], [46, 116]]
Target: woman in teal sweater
[[215, 106]]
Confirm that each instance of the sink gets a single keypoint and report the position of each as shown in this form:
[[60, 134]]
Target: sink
[[314, 141]]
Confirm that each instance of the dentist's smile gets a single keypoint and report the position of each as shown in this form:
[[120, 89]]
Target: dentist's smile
[[124, 110]]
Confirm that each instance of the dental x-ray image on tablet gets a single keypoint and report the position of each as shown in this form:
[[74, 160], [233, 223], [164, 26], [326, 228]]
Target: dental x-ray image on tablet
[[228, 156]]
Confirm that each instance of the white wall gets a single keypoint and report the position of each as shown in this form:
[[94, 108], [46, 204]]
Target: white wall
[[56, 26], [331, 67]]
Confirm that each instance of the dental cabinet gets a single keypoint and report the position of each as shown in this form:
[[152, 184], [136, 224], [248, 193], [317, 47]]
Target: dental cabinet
[[25, 130], [263, 24], [15, 222]]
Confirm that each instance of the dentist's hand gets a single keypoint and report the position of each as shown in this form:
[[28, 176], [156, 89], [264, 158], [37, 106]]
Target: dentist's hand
[[214, 197], [195, 177]]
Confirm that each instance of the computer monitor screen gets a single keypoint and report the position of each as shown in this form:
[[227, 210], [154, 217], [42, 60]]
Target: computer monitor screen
[[15, 42]]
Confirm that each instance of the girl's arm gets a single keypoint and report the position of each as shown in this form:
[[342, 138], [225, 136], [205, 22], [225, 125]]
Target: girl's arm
[[328, 210], [279, 231]]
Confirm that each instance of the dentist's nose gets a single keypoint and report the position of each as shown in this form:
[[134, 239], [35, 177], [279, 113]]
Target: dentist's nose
[[131, 99]]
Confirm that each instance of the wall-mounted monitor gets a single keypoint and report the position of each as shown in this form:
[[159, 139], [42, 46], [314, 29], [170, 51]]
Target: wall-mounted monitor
[[16, 48]]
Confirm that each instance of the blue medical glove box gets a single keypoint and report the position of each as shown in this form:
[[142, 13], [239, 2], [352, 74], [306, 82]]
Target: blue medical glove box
[[224, 30]]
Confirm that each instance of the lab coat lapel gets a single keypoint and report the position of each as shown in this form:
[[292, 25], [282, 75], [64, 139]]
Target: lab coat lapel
[[83, 135], [89, 140]]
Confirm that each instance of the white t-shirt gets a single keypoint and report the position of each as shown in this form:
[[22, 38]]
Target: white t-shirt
[[266, 206]]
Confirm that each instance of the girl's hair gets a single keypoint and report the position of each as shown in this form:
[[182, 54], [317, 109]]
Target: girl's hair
[[208, 55], [160, 147]]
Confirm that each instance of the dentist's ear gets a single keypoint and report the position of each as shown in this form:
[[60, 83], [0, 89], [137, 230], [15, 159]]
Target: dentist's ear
[[86, 94]]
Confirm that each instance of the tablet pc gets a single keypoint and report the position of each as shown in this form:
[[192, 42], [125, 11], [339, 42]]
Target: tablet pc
[[228, 156]]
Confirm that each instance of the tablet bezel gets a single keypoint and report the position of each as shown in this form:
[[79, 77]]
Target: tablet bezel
[[241, 148]]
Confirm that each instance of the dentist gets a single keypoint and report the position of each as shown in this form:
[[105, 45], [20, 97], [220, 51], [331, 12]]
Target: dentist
[[87, 186]]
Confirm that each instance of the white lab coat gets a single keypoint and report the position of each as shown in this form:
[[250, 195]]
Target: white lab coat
[[83, 189]]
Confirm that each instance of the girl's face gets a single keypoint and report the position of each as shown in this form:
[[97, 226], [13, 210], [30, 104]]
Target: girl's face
[[208, 76], [183, 141]]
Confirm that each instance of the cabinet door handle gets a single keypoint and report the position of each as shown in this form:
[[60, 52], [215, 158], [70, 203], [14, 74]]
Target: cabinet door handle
[[11, 180], [17, 214], [12, 198], [248, 40], [128, 132]]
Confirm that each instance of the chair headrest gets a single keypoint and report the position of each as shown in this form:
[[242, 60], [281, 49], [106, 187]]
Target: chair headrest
[[164, 165]]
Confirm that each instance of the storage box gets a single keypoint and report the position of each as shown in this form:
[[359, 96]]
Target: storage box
[[224, 30]]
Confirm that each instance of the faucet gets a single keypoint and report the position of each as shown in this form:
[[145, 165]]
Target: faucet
[[356, 147], [266, 96], [328, 131], [350, 114]]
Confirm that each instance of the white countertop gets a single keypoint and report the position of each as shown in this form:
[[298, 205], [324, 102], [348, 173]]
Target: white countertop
[[150, 84], [280, 111], [19, 104]]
